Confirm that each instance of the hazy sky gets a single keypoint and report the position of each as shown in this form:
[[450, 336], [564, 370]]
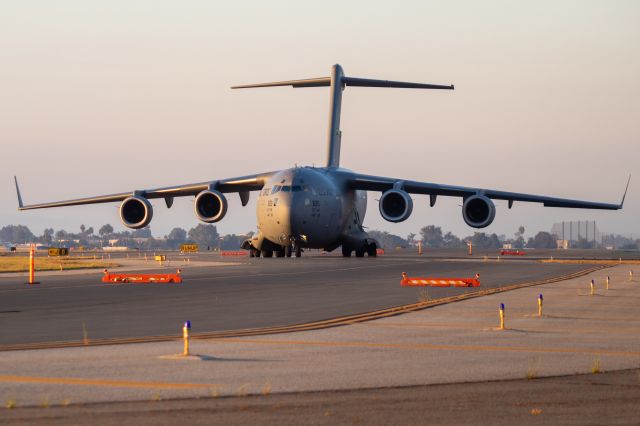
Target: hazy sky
[[112, 96]]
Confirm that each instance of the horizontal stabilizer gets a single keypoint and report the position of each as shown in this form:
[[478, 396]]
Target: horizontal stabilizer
[[337, 81], [347, 81], [369, 82], [307, 82]]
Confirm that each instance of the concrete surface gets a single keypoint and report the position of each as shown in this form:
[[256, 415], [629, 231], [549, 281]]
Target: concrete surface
[[455, 343], [591, 399]]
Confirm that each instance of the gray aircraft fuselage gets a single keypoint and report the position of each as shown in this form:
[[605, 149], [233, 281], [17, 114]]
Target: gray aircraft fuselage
[[312, 207]]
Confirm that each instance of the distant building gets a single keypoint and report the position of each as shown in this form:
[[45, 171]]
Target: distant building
[[569, 232]]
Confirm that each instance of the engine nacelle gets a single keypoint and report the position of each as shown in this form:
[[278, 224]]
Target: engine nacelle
[[478, 211], [210, 206], [136, 212], [395, 205]]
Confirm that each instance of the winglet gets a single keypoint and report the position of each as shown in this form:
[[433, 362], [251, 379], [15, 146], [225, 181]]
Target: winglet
[[625, 192], [20, 205]]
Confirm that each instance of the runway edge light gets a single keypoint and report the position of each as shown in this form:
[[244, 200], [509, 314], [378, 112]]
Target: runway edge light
[[540, 304], [185, 336]]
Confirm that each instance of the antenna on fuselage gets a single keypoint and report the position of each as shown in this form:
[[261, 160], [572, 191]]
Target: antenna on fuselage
[[337, 81]]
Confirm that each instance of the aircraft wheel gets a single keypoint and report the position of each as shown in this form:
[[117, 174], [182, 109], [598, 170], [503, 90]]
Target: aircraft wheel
[[287, 251], [267, 253], [346, 251], [298, 251], [280, 253], [372, 250], [360, 253]]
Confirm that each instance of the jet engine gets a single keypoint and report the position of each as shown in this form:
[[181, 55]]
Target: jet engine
[[136, 212], [210, 206], [395, 205], [478, 211]]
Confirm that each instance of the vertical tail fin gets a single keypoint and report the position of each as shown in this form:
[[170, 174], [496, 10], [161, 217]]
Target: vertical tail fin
[[334, 136]]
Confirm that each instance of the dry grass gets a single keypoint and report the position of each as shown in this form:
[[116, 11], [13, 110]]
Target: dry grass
[[21, 264], [45, 402], [266, 389], [215, 392], [595, 366], [85, 335], [532, 370], [243, 390], [423, 295]]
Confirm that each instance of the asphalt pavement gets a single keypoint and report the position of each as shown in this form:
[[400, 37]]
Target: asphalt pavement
[[252, 293]]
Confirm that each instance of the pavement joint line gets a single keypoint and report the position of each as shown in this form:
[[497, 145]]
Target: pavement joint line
[[103, 382], [427, 346], [315, 325], [404, 263], [634, 330]]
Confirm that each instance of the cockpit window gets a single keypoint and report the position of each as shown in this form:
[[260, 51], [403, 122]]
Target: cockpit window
[[275, 189], [286, 188], [296, 188]]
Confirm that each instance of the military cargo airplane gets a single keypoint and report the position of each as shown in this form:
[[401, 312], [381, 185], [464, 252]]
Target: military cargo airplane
[[318, 207]]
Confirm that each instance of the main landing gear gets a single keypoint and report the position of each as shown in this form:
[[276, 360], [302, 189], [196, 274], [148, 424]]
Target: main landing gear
[[285, 251]]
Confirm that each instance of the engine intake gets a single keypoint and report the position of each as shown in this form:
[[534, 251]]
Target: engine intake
[[395, 205], [210, 206], [136, 212], [478, 211]]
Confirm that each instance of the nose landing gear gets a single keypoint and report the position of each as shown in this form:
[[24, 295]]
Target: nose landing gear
[[371, 250]]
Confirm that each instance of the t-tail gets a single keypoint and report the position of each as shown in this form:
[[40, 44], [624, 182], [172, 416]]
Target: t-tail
[[337, 81]]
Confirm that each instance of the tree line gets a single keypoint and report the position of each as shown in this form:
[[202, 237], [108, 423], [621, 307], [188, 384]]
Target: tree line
[[207, 236]]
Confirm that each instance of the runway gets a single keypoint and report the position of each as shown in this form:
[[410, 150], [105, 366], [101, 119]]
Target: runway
[[253, 293]]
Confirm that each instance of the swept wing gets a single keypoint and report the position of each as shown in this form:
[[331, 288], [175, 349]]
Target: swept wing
[[241, 185], [378, 183]]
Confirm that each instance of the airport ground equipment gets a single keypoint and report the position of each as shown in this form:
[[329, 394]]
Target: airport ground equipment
[[233, 253], [318, 207], [512, 253], [502, 314], [189, 248], [142, 278], [439, 282], [58, 251]]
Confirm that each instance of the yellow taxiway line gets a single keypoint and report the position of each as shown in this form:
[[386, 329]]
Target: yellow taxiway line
[[102, 382], [425, 346]]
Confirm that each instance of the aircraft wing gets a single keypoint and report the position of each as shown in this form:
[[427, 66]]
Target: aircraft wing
[[377, 183], [242, 185]]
